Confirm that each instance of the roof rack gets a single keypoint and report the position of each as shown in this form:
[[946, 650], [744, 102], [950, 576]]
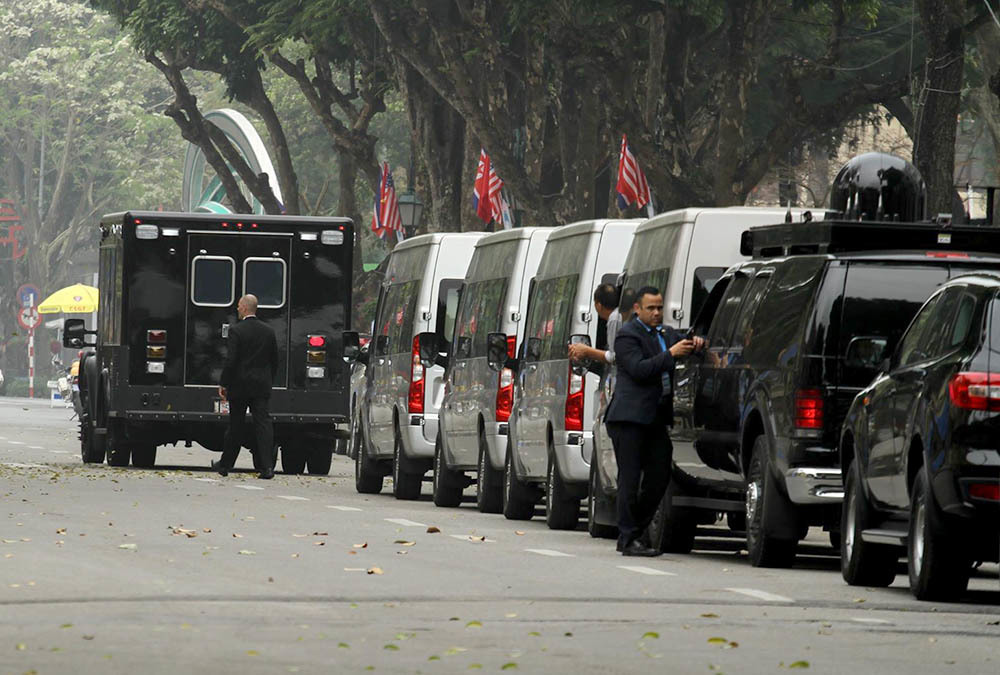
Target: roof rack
[[838, 236]]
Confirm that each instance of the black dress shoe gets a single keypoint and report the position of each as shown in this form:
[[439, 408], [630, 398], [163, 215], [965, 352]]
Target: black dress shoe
[[266, 475], [221, 468], [637, 548]]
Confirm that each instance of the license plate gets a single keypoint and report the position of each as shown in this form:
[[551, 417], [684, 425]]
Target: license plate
[[222, 407]]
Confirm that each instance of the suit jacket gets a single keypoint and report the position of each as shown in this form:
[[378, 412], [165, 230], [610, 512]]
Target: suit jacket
[[639, 385], [251, 360]]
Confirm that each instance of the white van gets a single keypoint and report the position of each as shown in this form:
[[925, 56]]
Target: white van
[[477, 400], [399, 412], [682, 253], [550, 427]]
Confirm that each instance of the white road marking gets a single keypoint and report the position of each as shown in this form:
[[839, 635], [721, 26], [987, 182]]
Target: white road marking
[[342, 508], [16, 442], [58, 452], [404, 522], [760, 595], [21, 465], [651, 571], [248, 487], [39, 447], [473, 538], [549, 552], [293, 498], [208, 480], [867, 620]]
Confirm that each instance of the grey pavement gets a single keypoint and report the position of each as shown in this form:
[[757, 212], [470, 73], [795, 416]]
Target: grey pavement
[[176, 569]]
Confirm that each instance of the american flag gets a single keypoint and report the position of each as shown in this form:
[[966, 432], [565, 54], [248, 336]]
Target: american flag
[[632, 185], [486, 197], [385, 216]]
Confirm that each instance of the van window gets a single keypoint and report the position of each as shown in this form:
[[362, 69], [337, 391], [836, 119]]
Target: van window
[[213, 279], [265, 278], [449, 293], [481, 313], [398, 309], [701, 285], [552, 315], [722, 324], [655, 278]]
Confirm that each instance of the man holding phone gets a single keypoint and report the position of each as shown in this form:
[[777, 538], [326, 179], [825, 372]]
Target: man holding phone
[[640, 411]]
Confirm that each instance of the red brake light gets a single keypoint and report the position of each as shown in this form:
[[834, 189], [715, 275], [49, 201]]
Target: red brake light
[[156, 336], [809, 409], [317, 341], [574, 401], [946, 254], [415, 400], [975, 391], [987, 491], [505, 385], [225, 224]]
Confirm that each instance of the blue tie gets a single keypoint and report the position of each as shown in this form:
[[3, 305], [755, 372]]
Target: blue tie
[[665, 376]]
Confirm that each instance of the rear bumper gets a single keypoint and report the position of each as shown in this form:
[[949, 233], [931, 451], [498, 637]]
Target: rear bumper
[[810, 485], [419, 435], [573, 450]]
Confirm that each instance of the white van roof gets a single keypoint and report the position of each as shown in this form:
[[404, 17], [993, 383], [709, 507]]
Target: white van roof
[[515, 233], [691, 214], [435, 238], [585, 226]]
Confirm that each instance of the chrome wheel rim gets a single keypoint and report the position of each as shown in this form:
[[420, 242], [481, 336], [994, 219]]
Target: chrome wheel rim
[[753, 497], [852, 502], [917, 552]]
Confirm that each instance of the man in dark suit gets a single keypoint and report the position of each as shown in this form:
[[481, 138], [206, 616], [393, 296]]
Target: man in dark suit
[[251, 362], [640, 411]]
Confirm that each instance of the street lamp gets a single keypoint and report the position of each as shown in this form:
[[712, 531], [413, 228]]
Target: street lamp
[[410, 210]]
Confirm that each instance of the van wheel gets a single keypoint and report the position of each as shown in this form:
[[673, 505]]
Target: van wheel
[[938, 564], [448, 484], [862, 563], [293, 460], [518, 498], [319, 459], [367, 477], [597, 498], [562, 510], [489, 482], [118, 451], [144, 455], [91, 449], [764, 551], [405, 478], [672, 528]]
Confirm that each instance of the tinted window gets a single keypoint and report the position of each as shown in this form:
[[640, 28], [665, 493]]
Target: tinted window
[[722, 324], [961, 323], [777, 322], [744, 331], [481, 313], [552, 315], [655, 278], [911, 347], [265, 278], [212, 280], [449, 292], [701, 285], [396, 321]]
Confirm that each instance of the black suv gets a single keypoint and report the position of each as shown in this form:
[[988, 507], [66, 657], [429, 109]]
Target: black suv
[[921, 446], [757, 416]]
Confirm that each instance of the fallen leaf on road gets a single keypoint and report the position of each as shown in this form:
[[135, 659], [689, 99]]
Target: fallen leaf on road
[[61, 530], [509, 666], [66, 625], [319, 543], [343, 645], [709, 615], [403, 542], [397, 552], [717, 641], [474, 624], [129, 547], [247, 552], [857, 600], [320, 534], [391, 647], [300, 536], [206, 530], [295, 555], [510, 615], [20, 645], [253, 652], [650, 635], [433, 530], [799, 664], [519, 533], [364, 545], [237, 536], [375, 570], [88, 637]]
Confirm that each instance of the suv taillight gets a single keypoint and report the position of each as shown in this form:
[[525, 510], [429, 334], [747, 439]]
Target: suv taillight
[[975, 391], [808, 409], [415, 401], [574, 402], [505, 386]]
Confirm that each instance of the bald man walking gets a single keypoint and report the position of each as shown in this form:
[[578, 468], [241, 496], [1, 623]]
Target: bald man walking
[[251, 361]]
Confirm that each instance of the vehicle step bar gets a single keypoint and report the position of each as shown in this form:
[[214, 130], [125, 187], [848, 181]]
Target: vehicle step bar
[[710, 503], [884, 536]]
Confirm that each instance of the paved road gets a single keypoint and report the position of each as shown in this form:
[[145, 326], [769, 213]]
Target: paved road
[[178, 570]]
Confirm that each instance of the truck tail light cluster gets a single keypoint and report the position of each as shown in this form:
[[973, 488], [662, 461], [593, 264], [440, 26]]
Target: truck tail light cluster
[[415, 401], [156, 351], [316, 356], [975, 391], [574, 402], [808, 409], [505, 388]]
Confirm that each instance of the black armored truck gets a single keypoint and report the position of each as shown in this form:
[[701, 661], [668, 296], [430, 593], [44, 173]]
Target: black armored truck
[[169, 285]]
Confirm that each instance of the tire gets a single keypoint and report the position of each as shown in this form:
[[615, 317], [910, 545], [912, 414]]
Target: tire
[[448, 484], [862, 563], [144, 455], [764, 551], [519, 499], [562, 510], [489, 482], [367, 477], [406, 480], [319, 459], [597, 530], [119, 452], [293, 460], [939, 566], [91, 451], [672, 528]]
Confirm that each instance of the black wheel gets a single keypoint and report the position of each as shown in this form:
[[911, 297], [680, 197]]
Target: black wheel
[[293, 460], [367, 477], [562, 510], [406, 478], [673, 527], [519, 499], [91, 449], [319, 459], [862, 563], [939, 564], [119, 452], [448, 484], [489, 482], [144, 455], [765, 551], [737, 521], [595, 497]]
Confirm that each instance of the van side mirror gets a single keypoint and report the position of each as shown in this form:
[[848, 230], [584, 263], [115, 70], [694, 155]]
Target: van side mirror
[[533, 350], [579, 366], [496, 350], [868, 353], [75, 334], [427, 346], [351, 341], [381, 345]]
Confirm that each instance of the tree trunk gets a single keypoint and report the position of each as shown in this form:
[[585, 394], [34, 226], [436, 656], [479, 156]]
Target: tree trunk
[[347, 203]]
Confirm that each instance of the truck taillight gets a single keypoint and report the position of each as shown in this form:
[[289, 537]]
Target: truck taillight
[[156, 351], [316, 356], [415, 401], [156, 336], [808, 409], [975, 391], [317, 341], [505, 386], [574, 402]]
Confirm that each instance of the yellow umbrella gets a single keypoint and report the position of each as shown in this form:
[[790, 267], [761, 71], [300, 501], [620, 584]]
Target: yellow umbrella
[[75, 299]]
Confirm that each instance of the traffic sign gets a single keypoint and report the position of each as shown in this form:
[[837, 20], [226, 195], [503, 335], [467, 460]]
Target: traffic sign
[[29, 318], [28, 295]]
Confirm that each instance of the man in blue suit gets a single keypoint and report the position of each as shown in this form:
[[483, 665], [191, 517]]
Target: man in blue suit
[[639, 414]]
